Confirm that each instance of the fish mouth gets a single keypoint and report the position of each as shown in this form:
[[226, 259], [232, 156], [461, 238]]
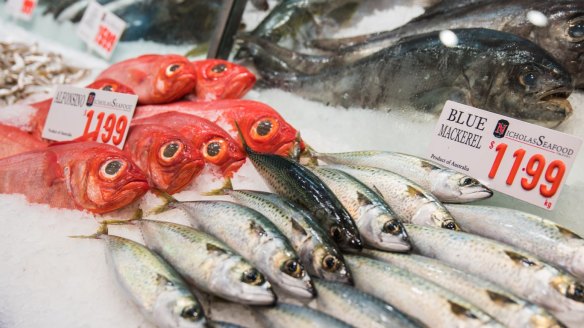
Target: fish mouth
[[239, 85], [124, 196], [184, 175], [290, 149], [473, 194], [557, 106], [300, 288], [261, 297], [231, 168]]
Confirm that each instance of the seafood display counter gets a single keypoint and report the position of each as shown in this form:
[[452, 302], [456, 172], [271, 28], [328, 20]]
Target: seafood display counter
[[186, 215]]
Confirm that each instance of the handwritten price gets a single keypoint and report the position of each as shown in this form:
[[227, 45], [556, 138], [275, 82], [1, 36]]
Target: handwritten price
[[112, 124], [27, 7], [105, 38], [536, 165]]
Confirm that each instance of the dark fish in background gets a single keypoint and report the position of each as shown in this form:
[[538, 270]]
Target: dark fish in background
[[562, 34], [165, 21], [488, 69]]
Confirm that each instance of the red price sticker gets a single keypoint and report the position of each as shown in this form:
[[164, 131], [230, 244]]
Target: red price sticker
[[100, 29], [520, 159], [96, 115], [22, 9]]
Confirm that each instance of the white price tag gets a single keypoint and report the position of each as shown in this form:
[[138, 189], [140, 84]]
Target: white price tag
[[22, 9], [523, 160], [97, 115], [100, 29]]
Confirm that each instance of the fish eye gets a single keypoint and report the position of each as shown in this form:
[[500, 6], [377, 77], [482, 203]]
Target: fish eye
[[172, 69], [576, 30], [528, 79], [252, 277], [191, 313], [450, 226], [170, 150], [392, 227], [107, 87], [112, 169], [264, 129], [293, 268], [467, 181], [576, 292], [219, 68], [336, 233], [331, 263], [215, 150]]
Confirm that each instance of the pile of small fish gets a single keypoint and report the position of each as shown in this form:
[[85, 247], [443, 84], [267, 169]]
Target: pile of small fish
[[26, 70], [523, 64], [370, 240]]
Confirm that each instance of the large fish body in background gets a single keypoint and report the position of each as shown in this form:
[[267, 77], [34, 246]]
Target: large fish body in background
[[15, 141], [488, 69], [155, 79], [76, 175], [561, 33]]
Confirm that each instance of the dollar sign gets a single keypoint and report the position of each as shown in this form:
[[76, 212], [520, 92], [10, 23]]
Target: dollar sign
[[491, 145]]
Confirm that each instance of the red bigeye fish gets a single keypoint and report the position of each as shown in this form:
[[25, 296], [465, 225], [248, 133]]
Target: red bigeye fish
[[217, 147], [263, 128], [220, 79], [76, 175], [170, 160], [15, 141], [156, 79], [37, 122]]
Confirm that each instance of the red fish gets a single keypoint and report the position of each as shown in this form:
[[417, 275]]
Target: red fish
[[37, 122], [170, 160], [221, 79], [263, 128], [156, 79], [76, 175], [15, 141], [217, 147]]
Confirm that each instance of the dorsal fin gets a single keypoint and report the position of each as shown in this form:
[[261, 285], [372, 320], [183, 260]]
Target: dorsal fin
[[461, 310], [567, 232], [499, 298], [215, 248], [296, 226], [363, 200], [428, 166], [519, 259], [414, 192], [255, 227]]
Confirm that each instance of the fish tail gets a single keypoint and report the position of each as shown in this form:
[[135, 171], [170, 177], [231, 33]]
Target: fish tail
[[101, 230], [309, 156], [223, 190], [168, 202]]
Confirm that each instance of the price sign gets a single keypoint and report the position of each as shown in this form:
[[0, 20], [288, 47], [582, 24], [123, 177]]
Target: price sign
[[22, 9], [96, 115], [520, 159], [100, 29]]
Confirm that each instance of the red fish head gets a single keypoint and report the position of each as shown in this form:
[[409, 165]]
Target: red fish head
[[174, 78], [266, 131], [110, 85], [224, 152], [102, 178], [170, 160], [221, 79]]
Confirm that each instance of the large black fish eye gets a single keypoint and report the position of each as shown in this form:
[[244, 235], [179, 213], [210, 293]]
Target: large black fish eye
[[219, 68], [576, 30], [450, 226], [190, 313], [172, 68], [107, 87], [252, 277], [330, 263], [467, 181], [170, 150], [213, 149], [264, 127], [336, 233], [293, 268], [528, 79], [113, 167], [392, 227]]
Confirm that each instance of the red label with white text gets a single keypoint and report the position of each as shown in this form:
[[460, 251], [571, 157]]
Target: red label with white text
[[96, 115], [523, 160]]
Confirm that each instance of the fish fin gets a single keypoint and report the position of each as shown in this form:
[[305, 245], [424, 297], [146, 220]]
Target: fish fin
[[163, 282], [414, 192], [101, 230], [460, 310], [169, 201], [137, 216], [428, 166], [223, 190], [519, 259], [567, 232], [307, 156], [499, 298], [255, 227], [296, 226], [198, 50], [215, 248], [363, 200], [54, 174], [374, 187]]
